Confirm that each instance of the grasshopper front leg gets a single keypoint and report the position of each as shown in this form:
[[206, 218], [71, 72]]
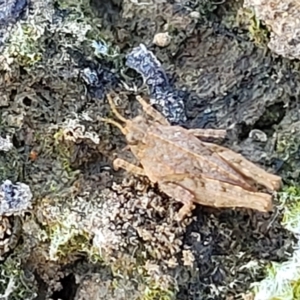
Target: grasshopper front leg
[[130, 168]]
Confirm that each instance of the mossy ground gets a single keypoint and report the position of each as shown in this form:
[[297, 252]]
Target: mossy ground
[[226, 76]]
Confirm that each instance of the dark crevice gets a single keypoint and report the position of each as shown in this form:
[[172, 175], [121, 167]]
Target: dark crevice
[[42, 288], [69, 289]]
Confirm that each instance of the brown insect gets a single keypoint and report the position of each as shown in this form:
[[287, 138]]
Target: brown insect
[[189, 169]]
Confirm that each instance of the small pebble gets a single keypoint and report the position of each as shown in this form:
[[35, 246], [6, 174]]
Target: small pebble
[[162, 39], [195, 15], [258, 135], [5, 144]]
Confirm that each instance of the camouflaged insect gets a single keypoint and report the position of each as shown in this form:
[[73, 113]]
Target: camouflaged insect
[[190, 170], [167, 100]]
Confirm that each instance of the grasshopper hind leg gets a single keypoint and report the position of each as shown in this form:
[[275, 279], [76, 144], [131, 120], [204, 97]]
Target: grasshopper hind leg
[[181, 195]]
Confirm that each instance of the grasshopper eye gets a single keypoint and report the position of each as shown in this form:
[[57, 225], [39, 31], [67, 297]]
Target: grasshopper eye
[[134, 138]]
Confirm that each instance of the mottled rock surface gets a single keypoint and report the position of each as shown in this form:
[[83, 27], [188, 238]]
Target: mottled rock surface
[[282, 17], [99, 233]]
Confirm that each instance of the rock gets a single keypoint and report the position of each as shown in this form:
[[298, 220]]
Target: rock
[[162, 39], [283, 19]]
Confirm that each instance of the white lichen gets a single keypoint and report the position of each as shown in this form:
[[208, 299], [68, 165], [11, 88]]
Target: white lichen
[[15, 199], [282, 17], [5, 144], [73, 131]]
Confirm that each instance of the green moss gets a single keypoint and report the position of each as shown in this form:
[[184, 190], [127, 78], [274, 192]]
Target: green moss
[[66, 240], [10, 165], [282, 281], [156, 293], [149, 289], [14, 283], [10, 161], [290, 201], [296, 289], [96, 40], [288, 145], [80, 13], [55, 155], [205, 7], [287, 148], [259, 33], [24, 45], [81, 7], [155, 288], [54, 147], [62, 150]]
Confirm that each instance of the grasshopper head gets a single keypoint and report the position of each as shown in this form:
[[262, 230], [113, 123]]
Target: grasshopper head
[[134, 130]]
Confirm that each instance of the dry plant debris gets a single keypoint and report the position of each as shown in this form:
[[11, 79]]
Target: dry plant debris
[[190, 170]]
